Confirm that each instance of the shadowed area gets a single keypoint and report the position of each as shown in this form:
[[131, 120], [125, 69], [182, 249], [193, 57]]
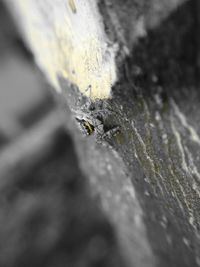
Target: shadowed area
[[160, 136]]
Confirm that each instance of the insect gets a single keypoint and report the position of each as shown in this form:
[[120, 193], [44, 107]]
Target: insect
[[72, 6]]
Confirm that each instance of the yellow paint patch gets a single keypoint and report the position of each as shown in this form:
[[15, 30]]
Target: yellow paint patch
[[74, 47]]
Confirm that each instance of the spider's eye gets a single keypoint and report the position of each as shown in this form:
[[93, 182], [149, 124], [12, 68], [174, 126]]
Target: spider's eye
[[89, 127], [86, 126]]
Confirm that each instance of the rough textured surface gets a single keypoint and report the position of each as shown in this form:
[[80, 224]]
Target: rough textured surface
[[156, 105], [155, 109], [110, 181], [57, 207]]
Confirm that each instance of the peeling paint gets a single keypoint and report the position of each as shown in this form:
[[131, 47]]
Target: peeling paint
[[68, 39]]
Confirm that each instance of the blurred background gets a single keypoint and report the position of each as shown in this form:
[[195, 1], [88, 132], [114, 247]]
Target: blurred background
[[24, 95]]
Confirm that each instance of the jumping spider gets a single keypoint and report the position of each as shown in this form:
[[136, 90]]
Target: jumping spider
[[92, 122]]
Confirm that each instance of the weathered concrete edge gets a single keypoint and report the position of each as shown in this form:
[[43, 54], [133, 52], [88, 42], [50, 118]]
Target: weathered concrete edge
[[109, 181]]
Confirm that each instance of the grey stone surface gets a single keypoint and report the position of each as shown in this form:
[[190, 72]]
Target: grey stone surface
[[156, 106]]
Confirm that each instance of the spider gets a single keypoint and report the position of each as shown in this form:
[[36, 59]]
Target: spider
[[91, 122]]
